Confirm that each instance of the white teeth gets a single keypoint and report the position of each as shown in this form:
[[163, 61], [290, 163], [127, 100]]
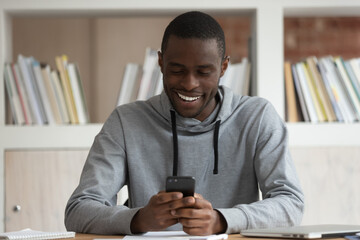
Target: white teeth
[[186, 98]]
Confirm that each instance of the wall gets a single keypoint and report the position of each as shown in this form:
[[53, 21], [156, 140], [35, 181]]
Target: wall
[[321, 36]]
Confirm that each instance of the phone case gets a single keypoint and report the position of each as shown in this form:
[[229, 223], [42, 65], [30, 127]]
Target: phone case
[[184, 184]]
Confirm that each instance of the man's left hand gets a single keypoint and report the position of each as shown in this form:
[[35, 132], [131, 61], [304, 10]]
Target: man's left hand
[[200, 218]]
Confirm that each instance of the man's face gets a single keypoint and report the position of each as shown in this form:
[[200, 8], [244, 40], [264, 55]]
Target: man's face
[[191, 70]]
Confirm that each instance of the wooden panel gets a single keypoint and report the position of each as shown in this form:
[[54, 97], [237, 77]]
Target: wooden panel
[[330, 179], [40, 182]]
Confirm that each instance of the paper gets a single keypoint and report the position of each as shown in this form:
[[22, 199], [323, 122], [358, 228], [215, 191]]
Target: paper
[[173, 235], [31, 234]]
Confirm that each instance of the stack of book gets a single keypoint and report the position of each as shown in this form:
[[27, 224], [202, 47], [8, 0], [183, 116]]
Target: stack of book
[[323, 90], [237, 77], [39, 95], [142, 81]]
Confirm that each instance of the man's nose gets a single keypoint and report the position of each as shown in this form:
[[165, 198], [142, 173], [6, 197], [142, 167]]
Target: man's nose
[[190, 82]]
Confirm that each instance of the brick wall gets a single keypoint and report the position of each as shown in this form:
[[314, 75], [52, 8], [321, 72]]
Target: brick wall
[[321, 36], [237, 31], [303, 37]]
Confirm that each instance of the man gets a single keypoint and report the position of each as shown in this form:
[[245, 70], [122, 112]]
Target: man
[[231, 145]]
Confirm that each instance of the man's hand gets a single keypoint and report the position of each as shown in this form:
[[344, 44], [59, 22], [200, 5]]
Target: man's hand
[[199, 218], [156, 215]]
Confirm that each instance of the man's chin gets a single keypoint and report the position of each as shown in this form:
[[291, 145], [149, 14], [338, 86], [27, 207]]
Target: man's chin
[[188, 114]]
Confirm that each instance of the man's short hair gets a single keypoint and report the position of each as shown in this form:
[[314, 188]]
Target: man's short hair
[[195, 25]]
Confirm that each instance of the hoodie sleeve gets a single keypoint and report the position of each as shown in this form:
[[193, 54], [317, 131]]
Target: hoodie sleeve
[[92, 207], [283, 200]]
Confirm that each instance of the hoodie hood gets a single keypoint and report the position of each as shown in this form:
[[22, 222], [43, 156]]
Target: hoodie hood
[[221, 112]]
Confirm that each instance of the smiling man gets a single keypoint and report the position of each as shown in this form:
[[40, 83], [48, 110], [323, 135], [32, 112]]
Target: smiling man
[[192, 68], [230, 144]]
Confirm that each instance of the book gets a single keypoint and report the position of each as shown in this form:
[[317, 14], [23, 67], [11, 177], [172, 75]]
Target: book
[[61, 62], [354, 81], [342, 89], [300, 94], [34, 101], [291, 106], [237, 77], [159, 85], [42, 91], [150, 63], [226, 79], [320, 88], [355, 66], [24, 100], [331, 91], [15, 105], [247, 85], [155, 77], [314, 94], [59, 94], [304, 84], [46, 73], [29, 62], [339, 63], [32, 234], [78, 92], [129, 84], [337, 88]]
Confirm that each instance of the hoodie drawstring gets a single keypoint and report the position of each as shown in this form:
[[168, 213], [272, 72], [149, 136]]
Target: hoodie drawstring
[[216, 149], [175, 144]]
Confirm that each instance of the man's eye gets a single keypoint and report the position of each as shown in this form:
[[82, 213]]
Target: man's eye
[[177, 71], [204, 72]]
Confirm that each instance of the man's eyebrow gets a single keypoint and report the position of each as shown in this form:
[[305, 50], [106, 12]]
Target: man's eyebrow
[[205, 66], [174, 64]]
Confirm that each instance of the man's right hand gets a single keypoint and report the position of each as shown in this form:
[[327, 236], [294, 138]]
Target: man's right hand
[[156, 215]]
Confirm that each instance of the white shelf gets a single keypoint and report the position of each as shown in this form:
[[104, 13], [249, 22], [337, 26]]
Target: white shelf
[[332, 8], [323, 134], [61, 136], [118, 8]]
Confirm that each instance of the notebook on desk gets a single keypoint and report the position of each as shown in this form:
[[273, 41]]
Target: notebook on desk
[[305, 232]]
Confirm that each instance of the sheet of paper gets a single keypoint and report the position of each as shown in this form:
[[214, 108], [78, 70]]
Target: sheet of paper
[[173, 235], [32, 234]]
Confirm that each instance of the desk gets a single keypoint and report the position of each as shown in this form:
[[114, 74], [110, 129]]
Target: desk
[[81, 236]]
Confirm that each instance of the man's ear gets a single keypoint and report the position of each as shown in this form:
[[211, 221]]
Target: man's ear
[[224, 65], [160, 61]]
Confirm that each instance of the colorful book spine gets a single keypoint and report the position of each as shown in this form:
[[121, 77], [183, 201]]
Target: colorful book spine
[[30, 89], [38, 96], [61, 62]]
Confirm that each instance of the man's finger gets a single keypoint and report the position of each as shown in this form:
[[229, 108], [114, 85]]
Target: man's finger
[[165, 197], [198, 195]]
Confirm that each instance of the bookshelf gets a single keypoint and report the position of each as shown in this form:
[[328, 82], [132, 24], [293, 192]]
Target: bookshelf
[[266, 54]]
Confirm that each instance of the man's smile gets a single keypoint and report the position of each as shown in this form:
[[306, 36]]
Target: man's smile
[[188, 98]]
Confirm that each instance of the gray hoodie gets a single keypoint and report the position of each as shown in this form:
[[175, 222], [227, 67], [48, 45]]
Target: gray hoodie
[[243, 140]]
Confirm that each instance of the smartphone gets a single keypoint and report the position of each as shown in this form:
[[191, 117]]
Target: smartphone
[[184, 184]]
